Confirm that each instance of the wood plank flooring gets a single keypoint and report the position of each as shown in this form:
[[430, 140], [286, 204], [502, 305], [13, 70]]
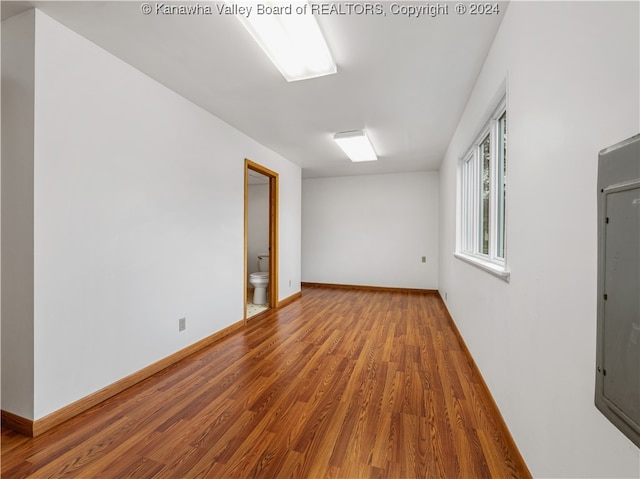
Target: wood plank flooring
[[340, 384]]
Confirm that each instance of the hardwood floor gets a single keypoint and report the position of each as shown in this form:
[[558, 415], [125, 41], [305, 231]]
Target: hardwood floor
[[339, 384]]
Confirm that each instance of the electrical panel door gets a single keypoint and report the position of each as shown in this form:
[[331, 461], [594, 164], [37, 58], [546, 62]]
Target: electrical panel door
[[618, 349]]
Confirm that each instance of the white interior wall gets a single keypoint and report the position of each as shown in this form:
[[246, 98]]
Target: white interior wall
[[371, 230], [573, 81], [0, 220], [138, 221], [17, 213], [258, 225]]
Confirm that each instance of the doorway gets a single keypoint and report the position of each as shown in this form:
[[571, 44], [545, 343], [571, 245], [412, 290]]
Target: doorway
[[259, 178]]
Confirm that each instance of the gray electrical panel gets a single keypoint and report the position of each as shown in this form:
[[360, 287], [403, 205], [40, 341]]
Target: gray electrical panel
[[618, 330]]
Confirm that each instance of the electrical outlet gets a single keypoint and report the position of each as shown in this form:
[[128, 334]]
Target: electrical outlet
[[289, 282], [182, 324], [445, 296], [424, 259]]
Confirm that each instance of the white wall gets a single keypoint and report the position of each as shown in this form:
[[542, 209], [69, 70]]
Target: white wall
[[371, 230], [258, 225], [0, 220], [17, 214], [138, 221], [572, 90]]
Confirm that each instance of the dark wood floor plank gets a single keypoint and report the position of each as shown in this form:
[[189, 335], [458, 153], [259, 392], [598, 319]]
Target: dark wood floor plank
[[340, 384]]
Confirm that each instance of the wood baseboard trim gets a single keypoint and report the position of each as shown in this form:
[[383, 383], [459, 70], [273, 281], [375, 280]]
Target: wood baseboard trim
[[476, 372], [39, 426], [370, 288], [17, 423], [289, 300], [261, 315], [281, 304]]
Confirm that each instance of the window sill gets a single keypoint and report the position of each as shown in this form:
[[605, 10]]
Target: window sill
[[494, 269]]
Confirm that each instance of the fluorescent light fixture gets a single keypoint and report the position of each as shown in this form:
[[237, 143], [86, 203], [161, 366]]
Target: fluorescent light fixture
[[290, 36], [356, 145]]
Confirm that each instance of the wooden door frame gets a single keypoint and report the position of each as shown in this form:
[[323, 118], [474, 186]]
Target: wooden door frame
[[273, 230]]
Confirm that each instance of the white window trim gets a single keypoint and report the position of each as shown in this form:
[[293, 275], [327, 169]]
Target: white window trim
[[490, 263], [496, 270]]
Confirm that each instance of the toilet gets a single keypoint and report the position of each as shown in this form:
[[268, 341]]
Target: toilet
[[260, 280]]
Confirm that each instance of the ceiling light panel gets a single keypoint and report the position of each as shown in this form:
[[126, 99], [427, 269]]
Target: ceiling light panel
[[356, 145], [290, 36]]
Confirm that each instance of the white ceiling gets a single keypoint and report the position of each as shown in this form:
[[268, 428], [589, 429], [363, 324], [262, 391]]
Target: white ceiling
[[405, 80]]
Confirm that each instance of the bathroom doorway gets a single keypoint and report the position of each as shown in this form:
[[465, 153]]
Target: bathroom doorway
[[260, 237]]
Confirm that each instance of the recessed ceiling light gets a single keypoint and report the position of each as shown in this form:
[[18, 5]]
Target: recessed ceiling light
[[290, 36], [356, 145]]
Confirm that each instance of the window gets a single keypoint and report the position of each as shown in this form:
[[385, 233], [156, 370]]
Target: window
[[483, 189]]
